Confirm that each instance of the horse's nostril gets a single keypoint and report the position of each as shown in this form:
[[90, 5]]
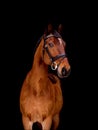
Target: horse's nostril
[[64, 71]]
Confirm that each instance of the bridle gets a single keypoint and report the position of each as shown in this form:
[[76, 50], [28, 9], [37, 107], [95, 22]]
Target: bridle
[[54, 65]]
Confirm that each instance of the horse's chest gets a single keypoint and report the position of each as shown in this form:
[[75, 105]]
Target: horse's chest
[[40, 108]]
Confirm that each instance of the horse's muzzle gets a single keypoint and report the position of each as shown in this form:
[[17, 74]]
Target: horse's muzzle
[[64, 72]]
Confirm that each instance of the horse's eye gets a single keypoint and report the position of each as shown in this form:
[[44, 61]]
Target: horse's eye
[[51, 44]]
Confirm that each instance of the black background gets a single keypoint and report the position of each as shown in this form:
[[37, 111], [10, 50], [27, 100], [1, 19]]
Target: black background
[[22, 27]]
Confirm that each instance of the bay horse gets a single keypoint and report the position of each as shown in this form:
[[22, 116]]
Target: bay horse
[[41, 98]]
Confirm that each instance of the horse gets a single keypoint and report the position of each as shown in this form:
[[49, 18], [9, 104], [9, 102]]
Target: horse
[[41, 98]]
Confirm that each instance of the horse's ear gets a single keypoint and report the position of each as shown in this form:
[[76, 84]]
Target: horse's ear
[[49, 29], [60, 28]]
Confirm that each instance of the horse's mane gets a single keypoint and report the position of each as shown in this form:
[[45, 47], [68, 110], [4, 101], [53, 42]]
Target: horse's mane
[[36, 46]]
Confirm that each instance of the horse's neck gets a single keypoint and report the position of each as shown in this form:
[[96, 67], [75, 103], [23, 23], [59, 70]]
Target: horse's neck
[[39, 71], [39, 67]]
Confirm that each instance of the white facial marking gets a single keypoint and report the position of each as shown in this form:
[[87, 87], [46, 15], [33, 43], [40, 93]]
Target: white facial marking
[[60, 40]]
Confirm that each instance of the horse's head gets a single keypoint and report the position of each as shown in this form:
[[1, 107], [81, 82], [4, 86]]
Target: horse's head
[[54, 52]]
